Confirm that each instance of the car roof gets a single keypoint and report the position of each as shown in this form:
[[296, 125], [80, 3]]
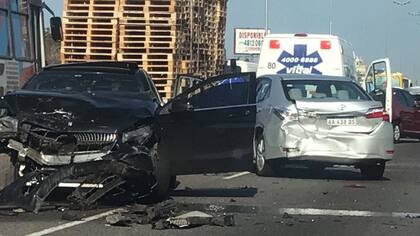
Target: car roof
[[110, 67], [308, 77]]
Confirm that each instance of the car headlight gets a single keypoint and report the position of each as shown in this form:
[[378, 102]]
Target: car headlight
[[138, 135]]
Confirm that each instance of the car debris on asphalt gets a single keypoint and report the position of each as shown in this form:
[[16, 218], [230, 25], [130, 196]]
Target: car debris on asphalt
[[167, 215], [355, 186]]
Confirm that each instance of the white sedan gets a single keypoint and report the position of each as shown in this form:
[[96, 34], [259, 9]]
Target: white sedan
[[320, 121]]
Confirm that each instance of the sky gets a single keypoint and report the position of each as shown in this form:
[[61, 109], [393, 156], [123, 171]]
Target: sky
[[376, 28]]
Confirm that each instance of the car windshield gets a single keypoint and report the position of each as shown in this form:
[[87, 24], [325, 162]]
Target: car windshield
[[323, 90], [81, 82]]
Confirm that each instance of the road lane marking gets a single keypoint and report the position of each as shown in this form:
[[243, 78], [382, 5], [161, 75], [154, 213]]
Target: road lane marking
[[74, 223], [236, 175], [403, 165], [353, 213]]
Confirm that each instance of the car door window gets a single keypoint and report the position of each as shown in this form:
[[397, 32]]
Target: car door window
[[229, 91], [411, 102], [185, 82], [263, 89], [401, 99]]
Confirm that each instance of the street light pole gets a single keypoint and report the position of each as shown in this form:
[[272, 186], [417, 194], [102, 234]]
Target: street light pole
[[331, 16], [266, 17]]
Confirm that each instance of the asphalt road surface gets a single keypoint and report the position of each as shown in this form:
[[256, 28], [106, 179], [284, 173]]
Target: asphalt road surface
[[334, 202]]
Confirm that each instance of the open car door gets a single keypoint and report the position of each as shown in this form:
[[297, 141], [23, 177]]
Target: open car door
[[379, 83], [209, 127]]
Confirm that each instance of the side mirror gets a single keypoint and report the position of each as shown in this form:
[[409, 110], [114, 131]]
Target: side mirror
[[56, 28], [180, 106]]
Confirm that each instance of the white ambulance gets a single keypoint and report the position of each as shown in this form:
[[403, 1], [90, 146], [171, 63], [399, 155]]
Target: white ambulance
[[306, 54]]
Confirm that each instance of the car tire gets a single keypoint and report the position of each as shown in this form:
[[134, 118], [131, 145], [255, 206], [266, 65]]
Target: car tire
[[373, 172], [163, 176], [262, 166], [397, 133]]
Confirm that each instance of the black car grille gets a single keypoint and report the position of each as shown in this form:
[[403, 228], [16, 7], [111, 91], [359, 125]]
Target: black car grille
[[95, 138]]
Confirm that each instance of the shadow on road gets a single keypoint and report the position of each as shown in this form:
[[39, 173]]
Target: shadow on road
[[326, 174], [216, 192]]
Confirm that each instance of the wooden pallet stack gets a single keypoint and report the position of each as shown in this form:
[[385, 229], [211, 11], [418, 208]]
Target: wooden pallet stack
[[90, 30], [165, 37], [147, 36]]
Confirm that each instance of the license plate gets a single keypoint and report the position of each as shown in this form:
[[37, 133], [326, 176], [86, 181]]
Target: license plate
[[342, 122]]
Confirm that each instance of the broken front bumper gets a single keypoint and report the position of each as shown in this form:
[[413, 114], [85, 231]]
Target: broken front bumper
[[132, 173], [55, 160]]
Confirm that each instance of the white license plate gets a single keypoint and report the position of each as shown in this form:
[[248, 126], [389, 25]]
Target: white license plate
[[342, 122]]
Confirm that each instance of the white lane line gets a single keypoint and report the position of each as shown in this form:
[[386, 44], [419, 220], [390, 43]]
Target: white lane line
[[74, 223], [236, 175], [328, 212], [403, 165]]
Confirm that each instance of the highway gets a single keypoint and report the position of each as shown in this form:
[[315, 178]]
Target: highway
[[297, 202]]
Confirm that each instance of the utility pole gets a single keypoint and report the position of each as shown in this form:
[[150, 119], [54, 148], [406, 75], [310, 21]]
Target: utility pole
[[331, 14], [266, 17]]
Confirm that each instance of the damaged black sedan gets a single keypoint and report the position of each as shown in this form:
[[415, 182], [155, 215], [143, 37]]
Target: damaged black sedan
[[101, 129], [90, 126]]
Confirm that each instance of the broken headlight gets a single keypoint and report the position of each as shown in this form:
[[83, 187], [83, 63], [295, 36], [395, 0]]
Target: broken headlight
[[139, 135]]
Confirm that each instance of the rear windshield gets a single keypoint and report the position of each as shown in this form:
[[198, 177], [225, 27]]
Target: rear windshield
[[65, 81], [321, 90]]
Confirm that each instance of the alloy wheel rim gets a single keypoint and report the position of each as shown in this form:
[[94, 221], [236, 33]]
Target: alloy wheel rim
[[260, 155], [397, 133]]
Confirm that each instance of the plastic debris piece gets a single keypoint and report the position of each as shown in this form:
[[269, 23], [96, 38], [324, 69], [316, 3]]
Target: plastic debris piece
[[287, 216], [71, 216], [119, 220], [197, 218], [355, 186]]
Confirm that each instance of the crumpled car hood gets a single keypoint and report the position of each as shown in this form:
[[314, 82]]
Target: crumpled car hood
[[81, 111]]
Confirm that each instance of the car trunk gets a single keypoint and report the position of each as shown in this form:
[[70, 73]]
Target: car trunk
[[338, 117]]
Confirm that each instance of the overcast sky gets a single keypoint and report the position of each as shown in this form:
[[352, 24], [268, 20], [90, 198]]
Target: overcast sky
[[376, 28]]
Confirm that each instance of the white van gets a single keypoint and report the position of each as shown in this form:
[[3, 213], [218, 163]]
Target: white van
[[245, 66], [306, 54]]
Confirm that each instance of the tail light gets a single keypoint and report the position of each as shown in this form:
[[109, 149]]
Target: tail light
[[274, 44], [377, 113], [325, 44]]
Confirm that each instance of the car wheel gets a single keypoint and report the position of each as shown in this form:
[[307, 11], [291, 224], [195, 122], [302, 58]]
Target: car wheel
[[163, 176], [397, 133], [373, 172], [262, 166]]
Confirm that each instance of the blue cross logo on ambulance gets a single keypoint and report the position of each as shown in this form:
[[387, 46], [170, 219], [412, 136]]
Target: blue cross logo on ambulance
[[300, 62]]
